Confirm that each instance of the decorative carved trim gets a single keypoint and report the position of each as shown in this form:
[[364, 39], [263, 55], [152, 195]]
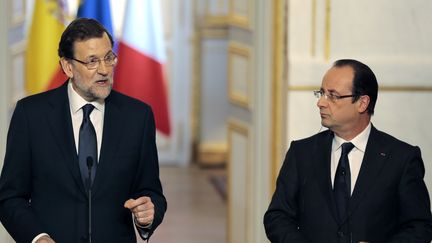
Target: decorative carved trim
[[239, 90]]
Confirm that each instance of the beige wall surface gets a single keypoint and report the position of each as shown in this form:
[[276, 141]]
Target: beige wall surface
[[391, 36], [5, 23], [249, 125]]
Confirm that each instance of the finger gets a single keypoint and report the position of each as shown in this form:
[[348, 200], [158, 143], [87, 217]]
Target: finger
[[132, 203], [145, 220], [144, 213], [45, 239], [129, 203]]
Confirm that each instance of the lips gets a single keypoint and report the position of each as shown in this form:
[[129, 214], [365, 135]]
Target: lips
[[102, 81], [323, 115]]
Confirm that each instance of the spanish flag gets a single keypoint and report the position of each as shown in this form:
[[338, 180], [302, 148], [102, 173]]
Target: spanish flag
[[42, 68]]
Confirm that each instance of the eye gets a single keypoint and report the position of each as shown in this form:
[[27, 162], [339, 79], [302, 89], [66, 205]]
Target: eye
[[93, 61], [110, 57], [333, 96]]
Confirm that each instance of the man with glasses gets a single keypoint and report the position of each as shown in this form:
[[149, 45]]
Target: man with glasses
[[81, 162], [351, 183]]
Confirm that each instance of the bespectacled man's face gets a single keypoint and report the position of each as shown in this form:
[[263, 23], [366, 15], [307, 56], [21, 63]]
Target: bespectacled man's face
[[339, 115], [93, 84]]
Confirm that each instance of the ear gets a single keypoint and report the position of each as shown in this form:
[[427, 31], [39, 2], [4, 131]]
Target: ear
[[363, 103], [66, 66]]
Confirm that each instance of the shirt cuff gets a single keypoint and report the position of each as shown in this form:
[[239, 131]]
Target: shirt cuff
[[39, 236], [148, 226]]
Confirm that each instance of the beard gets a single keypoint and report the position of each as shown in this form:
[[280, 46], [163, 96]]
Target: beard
[[94, 90]]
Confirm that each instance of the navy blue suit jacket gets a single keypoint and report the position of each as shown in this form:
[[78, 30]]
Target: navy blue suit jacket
[[41, 188], [390, 202]]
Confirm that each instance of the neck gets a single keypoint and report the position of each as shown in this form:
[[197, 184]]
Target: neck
[[352, 131]]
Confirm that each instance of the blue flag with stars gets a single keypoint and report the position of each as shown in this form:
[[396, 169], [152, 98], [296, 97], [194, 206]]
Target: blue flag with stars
[[99, 10]]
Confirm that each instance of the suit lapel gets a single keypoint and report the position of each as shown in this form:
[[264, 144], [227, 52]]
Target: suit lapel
[[373, 163], [60, 121], [322, 158], [110, 138]]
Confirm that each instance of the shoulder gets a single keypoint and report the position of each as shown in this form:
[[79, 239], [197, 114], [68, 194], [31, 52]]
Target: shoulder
[[318, 138], [128, 106], [131, 113], [400, 151], [126, 101], [44, 99], [387, 140]]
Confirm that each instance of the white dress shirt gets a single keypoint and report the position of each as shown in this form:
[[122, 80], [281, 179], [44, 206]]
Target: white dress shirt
[[355, 157], [76, 103]]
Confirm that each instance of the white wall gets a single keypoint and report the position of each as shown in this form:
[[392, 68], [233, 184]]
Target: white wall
[[214, 103], [179, 32], [4, 96], [4, 120], [391, 36], [250, 125]]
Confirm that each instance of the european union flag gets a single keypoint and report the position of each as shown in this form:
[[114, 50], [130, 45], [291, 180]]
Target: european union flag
[[99, 10]]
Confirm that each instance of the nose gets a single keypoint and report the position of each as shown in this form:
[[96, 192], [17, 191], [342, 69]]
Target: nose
[[322, 102], [102, 69]]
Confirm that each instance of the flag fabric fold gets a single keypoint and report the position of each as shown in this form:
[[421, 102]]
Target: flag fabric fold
[[42, 69], [99, 10], [139, 72]]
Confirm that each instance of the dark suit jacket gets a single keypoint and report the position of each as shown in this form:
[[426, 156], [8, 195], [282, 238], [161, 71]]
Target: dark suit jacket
[[390, 202], [41, 188]]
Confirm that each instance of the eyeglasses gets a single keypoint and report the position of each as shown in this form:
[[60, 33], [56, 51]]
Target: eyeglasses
[[109, 60], [330, 96]]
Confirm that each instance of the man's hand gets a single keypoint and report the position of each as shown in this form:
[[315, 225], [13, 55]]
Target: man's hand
[[142, 209], [45, 239]]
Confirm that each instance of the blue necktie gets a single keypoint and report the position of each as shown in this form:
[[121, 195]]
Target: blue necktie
[[87, 148], [342, 181]]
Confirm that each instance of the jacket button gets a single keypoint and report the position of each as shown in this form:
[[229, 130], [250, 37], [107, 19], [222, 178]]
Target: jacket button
[[340, 234]]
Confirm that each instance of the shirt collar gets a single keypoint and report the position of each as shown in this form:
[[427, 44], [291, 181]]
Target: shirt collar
[[359, 141], [77, 102]]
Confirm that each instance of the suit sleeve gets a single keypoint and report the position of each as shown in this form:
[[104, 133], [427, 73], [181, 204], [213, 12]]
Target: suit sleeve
[[414, 205], [281, 221], [147, 182], [15, 182]]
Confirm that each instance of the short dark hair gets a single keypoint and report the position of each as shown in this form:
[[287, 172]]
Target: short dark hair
[[80, 29], [364, 82]]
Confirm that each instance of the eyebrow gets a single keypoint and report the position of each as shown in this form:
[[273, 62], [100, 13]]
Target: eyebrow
[[332, 91], [94, 56]]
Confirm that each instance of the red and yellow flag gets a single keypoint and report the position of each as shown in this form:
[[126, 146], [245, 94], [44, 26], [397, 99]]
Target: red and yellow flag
[[43, 71]]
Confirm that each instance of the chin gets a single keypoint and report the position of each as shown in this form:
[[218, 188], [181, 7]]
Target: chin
[[325, 124], [101, 93], [103, 96]]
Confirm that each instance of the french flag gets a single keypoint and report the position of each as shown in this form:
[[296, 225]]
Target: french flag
[[141, 54]]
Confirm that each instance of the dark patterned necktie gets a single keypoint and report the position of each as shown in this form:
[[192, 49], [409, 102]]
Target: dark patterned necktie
[[87, 148], [342, 181]]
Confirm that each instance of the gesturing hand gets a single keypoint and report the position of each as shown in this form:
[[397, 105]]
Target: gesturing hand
[[45, 239], [142, 209]]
